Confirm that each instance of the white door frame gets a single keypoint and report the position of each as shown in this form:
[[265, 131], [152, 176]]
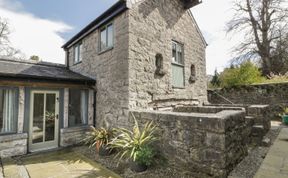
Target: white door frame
[[45, 144]]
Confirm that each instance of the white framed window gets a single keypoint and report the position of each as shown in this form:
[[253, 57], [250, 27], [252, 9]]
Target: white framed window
[[106, 37], [8, 110], [78, 53], [78, 107], [177, 65]]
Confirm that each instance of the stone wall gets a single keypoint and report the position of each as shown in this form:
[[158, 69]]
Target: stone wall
[[11, 145], [73, 136], [110, 69], [274, 95], [205, 145], [153, 24]]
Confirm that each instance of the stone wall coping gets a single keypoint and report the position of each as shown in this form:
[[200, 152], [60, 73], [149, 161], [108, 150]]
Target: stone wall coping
[[227, 105], [224, 107], [235, 106], [75, 129], [12, 137], [258, 106], [222, 115]]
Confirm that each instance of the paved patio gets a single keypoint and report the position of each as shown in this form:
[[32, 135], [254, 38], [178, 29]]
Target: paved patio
[[57, 164], [275, 163]]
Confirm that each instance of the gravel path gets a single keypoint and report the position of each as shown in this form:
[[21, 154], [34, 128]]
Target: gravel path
[[248, 167]]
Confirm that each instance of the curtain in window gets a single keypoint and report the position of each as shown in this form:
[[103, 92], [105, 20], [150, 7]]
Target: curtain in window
[[83, 107], [9, 111]]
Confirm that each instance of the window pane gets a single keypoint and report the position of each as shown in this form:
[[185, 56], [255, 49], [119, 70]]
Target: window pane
[[180, 55], [50, 115], [103, 40], [77, 107], [80, 52], [76, 51], [8, 110], [110, 35], [177, 76], [173, 52], [38, 114]]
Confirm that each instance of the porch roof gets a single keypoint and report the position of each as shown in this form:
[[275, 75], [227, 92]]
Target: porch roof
[[28, 70]]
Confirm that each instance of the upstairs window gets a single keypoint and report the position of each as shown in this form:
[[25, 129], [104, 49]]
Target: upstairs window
[[78, 53], [8, 111], [177, 65], [106, 37]]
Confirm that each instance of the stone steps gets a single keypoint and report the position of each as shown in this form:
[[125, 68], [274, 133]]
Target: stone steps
[[258, 132]]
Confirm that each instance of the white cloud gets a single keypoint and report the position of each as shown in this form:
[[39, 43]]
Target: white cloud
[[212, 16], [33, 35]]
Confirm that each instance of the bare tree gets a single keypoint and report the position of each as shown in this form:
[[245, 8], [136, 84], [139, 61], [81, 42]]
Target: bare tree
[[4, 32], [5, 46], [263, 23]]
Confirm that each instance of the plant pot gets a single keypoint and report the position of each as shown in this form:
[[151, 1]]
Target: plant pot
[[104, 150], [137, 167], [285, 119]]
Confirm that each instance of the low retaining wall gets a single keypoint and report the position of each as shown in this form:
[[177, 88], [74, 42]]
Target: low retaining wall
[[73, 135], [260, 114], [207, 145], [12, 145]]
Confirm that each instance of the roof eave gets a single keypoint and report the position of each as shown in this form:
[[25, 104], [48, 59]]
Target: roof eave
[[110, 13], [28, 78], [191, 3]]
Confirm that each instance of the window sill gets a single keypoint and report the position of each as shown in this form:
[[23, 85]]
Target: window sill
[[77, 126], [177, 64], [74, 64], [8, 133], [178, 87], [105, 50], [73, 129], [12, 136]]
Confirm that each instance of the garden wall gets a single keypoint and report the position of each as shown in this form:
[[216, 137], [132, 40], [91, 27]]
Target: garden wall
[[204, 144], [274, 95]]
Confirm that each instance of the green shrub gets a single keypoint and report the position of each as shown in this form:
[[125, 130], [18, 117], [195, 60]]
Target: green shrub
[[135, 144], [99, 137], [245, 74], [145, 155]]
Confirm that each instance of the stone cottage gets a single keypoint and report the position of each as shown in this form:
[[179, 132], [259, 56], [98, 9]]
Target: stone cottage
[[144, 54], [139, 54]]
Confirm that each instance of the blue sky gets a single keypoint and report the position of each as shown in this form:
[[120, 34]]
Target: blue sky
[[41, 27], [73, 12]]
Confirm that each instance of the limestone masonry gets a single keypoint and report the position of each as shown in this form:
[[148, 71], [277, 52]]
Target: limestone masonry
[[125, 74]]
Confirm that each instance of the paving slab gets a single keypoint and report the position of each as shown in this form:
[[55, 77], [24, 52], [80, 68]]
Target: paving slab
[[275, 164], [57, 164]]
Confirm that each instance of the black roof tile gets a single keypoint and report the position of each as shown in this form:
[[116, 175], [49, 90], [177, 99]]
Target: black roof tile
[[30, 70]]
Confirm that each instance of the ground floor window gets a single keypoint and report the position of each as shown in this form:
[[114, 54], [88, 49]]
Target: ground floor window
[[78, 107], [8, 110]]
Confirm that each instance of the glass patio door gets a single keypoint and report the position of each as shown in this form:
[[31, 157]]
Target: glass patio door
[[44, 120]]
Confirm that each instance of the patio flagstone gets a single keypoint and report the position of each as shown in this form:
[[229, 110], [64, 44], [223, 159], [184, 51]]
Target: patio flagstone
[[57, 164]]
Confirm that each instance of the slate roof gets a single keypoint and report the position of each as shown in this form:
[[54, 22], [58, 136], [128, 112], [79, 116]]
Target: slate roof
[[40, 71], [110, 13]]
